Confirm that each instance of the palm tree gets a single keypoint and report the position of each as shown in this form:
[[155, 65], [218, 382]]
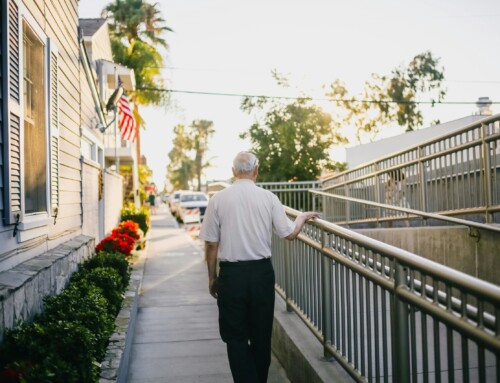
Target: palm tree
[[137, 30], [137, 19], [202, 131]]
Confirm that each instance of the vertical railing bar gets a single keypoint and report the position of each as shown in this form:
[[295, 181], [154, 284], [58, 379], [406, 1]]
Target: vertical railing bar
[[486, 174], [481, 364], [451, 359], [401, 349], [449, 339], [376, 330], [288, 271], [384, 336], [362, 315], [368, 329], [355, 337], [425, 356], [349, 342], [465, 343], [327, 298], [437, 347], [343, 314]]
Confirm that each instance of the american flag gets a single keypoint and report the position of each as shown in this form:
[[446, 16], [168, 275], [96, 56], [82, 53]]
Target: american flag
[[127, 122]]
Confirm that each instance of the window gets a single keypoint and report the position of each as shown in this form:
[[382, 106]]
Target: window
[[30, 121], [35, 143]]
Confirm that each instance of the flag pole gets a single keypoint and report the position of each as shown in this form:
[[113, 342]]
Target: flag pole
[[117, 140]]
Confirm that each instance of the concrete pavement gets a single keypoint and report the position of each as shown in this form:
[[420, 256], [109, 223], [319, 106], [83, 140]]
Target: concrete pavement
[[176, 337]]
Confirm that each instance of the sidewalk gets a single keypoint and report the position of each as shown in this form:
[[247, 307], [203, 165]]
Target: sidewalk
[[177, 337]]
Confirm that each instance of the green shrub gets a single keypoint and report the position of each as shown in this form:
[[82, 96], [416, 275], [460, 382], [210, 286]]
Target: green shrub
[[51, 352], [114, 260], [87, 305], [138, 215], [110, 283], [66, 341]]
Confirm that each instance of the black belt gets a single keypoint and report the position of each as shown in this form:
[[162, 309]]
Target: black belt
[[244, 263]]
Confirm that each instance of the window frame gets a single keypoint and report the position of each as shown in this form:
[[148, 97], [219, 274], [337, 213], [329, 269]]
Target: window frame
[[42, 218]]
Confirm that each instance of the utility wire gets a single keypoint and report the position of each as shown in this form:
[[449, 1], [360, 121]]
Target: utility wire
[[346, 101]]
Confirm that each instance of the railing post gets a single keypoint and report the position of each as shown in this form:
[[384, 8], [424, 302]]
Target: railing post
[[347, 205], [400, 329], [288, 276], [486, 175], [326, 293], [377, 193], [423, 185]]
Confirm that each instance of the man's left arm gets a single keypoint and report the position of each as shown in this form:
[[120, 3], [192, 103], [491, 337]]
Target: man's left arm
[[211, 249]]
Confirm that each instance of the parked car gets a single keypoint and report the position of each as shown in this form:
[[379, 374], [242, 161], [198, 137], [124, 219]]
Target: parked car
[[173, 201], [191, 200]]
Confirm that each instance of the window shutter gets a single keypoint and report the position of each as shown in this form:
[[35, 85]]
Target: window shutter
[[11, 62], [53, 65]]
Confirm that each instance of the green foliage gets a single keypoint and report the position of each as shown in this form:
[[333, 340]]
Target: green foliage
[[291, 139], [201, 130], [138, 215], [187, 157], [115, 261], [110, 283], [137, 30], [395, 97], [66, 341]]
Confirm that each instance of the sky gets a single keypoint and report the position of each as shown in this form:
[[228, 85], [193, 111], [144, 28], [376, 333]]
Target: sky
[[231, 46]]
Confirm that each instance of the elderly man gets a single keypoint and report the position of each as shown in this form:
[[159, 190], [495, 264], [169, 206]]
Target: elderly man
[[237, 231]]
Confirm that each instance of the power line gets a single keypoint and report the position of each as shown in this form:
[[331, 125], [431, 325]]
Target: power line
[[311, 98], [243, 71]]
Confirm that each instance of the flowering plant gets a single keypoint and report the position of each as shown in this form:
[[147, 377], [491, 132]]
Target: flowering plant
[[117, 241], [129, 228]]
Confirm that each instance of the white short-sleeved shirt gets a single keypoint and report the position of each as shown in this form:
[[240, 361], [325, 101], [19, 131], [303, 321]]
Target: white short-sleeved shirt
[[241, 219]]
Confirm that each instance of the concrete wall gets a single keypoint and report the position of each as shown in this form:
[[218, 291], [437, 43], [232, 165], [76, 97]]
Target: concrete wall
[[113, 199], [91, 195], [299, 351], [450, 246], [22, 288]]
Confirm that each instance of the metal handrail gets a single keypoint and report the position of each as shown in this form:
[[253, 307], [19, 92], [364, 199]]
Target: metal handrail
[[454, 174], [363, 299], [472, 125], [458, 221]]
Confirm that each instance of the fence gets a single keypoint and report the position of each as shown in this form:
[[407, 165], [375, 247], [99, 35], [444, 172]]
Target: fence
[[295, 194], [456, 174], [385, 314]]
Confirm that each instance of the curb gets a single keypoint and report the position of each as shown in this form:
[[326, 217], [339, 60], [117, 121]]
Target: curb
[[114, 367]]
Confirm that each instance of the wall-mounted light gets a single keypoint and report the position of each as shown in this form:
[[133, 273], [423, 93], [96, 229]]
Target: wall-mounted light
[[111, 106]]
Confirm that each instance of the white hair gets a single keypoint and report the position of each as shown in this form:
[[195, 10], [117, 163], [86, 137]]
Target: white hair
[[245, 162]]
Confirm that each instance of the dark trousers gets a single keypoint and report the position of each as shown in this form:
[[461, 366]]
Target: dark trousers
[[246, 311]]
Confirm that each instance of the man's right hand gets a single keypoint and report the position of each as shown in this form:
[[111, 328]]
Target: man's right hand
[[212, 287]]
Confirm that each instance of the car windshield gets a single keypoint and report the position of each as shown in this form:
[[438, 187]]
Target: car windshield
[[176, 195], [193, 197]]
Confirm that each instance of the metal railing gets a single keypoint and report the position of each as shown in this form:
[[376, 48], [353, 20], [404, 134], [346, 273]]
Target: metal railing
[[295, 194], [404, 213], [385, 314], [455, 174]]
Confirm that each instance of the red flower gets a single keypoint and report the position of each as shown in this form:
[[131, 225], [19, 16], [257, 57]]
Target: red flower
[[129, 227], [117, 241]]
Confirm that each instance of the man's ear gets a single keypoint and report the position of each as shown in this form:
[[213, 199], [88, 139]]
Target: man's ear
[[234, 172], [256, 171]]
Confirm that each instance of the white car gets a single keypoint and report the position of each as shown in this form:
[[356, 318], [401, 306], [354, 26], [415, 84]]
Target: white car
[[189, 201], [174, 201]]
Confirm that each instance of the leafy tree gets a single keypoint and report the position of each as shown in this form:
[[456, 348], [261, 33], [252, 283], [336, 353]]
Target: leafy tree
[[391, 98], [291, 139], [137, 30], [181, 167], [201, 131]]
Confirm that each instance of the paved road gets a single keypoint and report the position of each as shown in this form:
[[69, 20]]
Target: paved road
[[177, 338]]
